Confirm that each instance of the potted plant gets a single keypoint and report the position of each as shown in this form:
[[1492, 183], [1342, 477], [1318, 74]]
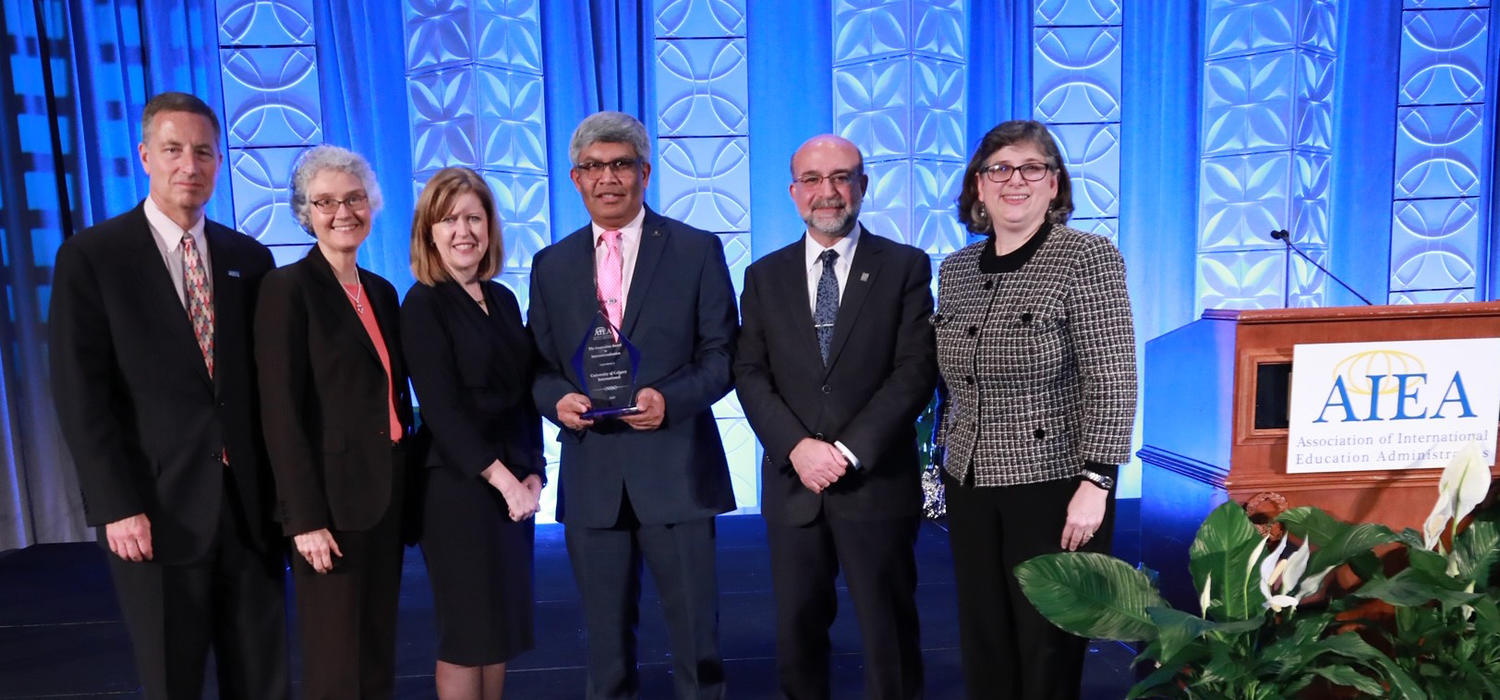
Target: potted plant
[[1253, 636]]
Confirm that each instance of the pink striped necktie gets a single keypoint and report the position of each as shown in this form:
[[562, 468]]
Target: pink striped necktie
[[609, 276]]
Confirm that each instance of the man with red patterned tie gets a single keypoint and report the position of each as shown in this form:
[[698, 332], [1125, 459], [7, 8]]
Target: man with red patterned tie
[[153, 381], [642, 487]]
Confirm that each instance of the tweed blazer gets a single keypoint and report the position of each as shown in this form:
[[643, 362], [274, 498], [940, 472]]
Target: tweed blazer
[[1038, 364]]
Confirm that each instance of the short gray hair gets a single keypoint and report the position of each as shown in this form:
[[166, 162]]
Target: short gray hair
[[610, 127], [326, 157]]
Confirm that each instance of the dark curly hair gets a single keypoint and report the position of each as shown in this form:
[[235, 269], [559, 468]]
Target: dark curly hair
[[970, 209]]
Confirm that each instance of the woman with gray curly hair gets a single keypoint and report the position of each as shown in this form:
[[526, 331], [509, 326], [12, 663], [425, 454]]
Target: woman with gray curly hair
[[1037, 358], [335, 410]]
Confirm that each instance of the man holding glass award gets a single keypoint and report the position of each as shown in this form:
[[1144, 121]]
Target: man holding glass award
[[635, 322]]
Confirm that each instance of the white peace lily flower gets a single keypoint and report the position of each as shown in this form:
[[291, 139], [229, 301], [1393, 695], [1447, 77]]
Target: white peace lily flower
[[1464, 483], [1287, 575], [1204, 598]]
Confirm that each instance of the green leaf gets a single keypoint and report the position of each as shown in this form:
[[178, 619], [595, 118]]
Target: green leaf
[[1222, 549], [1308, 520], [1476, 550], [1176, 629], [1091, 595], [1412, 587], [1347, 676]]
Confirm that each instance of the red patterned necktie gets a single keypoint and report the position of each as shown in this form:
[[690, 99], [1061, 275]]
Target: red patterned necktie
[[609, 271], [199, 306]]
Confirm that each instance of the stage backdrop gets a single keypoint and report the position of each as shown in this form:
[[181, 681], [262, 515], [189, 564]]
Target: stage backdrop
[[1193, 128]]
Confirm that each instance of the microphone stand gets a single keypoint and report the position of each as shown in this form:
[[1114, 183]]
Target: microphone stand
[[1285, 237]]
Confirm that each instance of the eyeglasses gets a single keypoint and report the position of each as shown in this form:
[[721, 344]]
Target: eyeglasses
[[329, 205], [594, 168], [811, 182], [1001, 173]]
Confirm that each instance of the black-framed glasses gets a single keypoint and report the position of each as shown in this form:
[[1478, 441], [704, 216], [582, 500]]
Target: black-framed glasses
[[595, 168], [329, 205], [811, 182], [1001, 173]]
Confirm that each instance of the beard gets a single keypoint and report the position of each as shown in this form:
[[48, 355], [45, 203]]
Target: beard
[[834, 226]]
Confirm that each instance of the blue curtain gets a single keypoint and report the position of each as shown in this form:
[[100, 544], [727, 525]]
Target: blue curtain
[[598, 56], [79, 75], [784, 39], [1162, 73], [1364, 151], [362, 89], [1000, 46]]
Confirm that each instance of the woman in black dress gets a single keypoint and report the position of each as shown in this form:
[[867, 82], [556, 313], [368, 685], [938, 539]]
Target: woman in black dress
[[470, 358]]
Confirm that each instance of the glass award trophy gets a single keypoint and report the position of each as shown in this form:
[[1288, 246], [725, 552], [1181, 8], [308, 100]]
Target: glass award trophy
[[606, 364]]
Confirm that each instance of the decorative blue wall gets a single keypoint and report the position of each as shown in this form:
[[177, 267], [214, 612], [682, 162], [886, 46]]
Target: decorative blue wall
[[905, 80]]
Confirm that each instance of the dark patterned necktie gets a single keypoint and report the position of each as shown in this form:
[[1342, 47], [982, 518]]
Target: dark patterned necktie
[[200, 306], [827, 310]]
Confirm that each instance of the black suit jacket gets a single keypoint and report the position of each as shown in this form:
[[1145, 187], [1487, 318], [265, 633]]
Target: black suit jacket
[[324, 396], [145, 423], [680, 314], [472, 373], [881, 373]]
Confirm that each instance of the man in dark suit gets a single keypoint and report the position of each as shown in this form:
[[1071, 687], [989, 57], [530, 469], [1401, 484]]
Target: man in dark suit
[[647, 485], [835, 362], [152, 376]]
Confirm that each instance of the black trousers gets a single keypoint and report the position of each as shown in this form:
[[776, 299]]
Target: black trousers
[[607, 566], [233, 601], [879, 563], [347, 617], [1008, 649]]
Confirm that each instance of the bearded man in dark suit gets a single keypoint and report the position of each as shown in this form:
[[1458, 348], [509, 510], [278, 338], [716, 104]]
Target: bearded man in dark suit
[[835, 362], [154, 386]]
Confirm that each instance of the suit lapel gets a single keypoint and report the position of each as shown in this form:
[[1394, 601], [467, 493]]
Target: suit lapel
[[226, 291], [861, 277], [791, 276], [159, 291], [653, 241]]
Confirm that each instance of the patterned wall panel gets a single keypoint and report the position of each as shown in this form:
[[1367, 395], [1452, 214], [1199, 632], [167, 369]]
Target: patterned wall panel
[[702, 166], [899, 92], [272, 111], [1076, 62], [1266, 145], [265, 22], [1441, 182], [474, 98]]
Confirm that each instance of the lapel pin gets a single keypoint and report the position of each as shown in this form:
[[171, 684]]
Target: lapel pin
[[864, 277], [233, 273]]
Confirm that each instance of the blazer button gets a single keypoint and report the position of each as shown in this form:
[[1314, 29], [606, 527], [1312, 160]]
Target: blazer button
[[1040, 433], [1026, 317], [818, 436], [973, 331], [989, 284], [827, 389], [969, 379]]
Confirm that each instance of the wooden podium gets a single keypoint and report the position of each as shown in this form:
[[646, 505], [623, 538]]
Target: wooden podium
[[1215, 404]]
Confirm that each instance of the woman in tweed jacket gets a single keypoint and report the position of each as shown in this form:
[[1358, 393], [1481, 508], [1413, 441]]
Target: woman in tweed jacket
[[1037, 355]]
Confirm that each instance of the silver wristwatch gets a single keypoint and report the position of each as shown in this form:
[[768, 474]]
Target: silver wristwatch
[[1104, 482]]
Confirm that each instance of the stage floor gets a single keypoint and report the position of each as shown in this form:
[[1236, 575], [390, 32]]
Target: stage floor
[[61, 634]]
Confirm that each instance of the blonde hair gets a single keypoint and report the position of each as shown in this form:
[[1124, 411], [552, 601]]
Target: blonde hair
[[436, 200]]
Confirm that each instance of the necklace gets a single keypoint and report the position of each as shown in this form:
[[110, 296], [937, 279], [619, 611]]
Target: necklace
[[356, 296]]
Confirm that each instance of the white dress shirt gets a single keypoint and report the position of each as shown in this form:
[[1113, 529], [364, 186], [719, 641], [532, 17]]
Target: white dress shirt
[[630, 248], [812, 249], [168, 236], [845, 246]]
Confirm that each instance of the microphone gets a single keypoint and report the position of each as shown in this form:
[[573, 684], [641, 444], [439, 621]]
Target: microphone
[[1286, 237]]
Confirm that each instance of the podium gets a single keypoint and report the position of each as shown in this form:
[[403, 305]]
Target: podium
[[1215, 424]]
